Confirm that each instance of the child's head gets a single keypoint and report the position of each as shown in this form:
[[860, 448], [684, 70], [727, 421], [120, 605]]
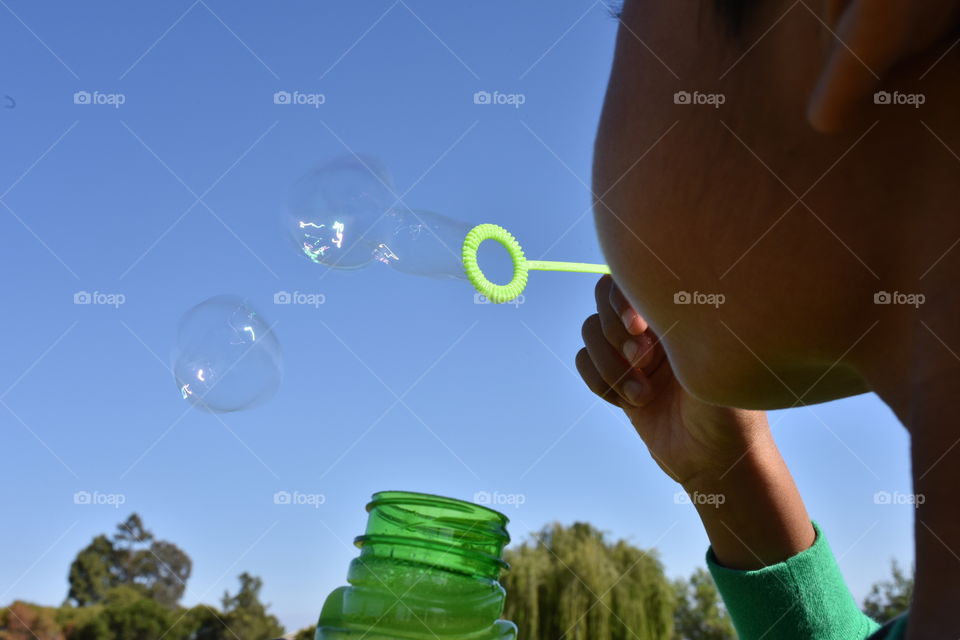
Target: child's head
[[741, 153]]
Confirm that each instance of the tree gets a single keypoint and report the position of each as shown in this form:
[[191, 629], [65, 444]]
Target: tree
[[71, 618], [245, 616], [21, 621], [91, 574], [165, 573], [888, 599], [202, 622], [307, 633], [571, 582], [126, 587], [142, 619], [95, 628], [158, 569], [700, 614], [126, 614]]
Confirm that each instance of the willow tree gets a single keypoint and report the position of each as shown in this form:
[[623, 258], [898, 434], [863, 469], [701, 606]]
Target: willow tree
[[888, 599], [700, 612], [572, 583]]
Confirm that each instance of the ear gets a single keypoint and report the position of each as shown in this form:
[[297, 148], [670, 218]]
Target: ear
[[871, 37]]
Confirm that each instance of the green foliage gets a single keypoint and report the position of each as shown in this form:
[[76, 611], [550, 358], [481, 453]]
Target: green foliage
[[122, 596], [127, 615], [202, 622], [127, 588], [568, 582], [888, 599], [22, 621], [158, 569], [306, 633], [91, 573], [93, 629], [72, 618], [700, 614], [571, 582], [142, 619], [245, 616]]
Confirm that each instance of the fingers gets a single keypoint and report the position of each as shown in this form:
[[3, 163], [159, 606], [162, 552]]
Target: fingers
[[606, 372], [594, 380], [632, 321], [622, 356], [624, 328], [871, 37]]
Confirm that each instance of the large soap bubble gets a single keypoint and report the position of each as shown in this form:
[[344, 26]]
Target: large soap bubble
[[227, 358], [336, 211], [346, 214]]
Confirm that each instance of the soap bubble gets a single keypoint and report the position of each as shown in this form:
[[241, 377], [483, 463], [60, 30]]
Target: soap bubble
[[424, 243], [336, 211], [227, 359], [346, 214]]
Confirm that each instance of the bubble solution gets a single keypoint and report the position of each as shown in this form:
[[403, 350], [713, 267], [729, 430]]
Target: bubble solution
[[428, 569]]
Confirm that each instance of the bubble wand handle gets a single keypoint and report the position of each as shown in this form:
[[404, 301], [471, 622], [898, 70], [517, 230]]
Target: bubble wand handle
[[570, 267], [499, 293]]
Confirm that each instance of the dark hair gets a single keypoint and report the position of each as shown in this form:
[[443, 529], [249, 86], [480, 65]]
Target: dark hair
[[734, 13]]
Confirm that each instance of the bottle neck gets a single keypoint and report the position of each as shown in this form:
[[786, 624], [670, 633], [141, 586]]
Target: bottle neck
[[435, 532]]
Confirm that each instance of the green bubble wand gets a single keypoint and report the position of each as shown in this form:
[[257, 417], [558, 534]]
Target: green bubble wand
[[500, 293]]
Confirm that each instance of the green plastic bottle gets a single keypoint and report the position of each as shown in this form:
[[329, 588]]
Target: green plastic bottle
[[428, 570]]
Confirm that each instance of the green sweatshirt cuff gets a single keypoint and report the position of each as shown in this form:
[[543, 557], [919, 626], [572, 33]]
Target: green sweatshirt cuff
[[804, 597]]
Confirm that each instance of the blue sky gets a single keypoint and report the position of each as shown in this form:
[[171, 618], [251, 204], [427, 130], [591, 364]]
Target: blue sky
[[177, 195]]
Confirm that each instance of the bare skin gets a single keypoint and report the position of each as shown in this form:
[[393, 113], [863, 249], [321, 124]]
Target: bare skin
[[799, 199], [708, 449]]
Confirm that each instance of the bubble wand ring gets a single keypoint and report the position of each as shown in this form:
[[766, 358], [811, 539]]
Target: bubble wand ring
[[500, 293]]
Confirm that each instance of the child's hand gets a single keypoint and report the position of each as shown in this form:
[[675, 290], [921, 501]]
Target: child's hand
[[625, 364], [707, 449]]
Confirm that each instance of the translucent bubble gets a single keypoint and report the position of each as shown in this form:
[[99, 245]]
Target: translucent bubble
[[336, 211], [346, 214], [227, 358], [423, 243]]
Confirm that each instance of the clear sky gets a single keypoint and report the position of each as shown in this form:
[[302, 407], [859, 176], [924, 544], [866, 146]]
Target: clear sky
[[176, 195]]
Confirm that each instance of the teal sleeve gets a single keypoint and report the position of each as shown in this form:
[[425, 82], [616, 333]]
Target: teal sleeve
[[804, 597]]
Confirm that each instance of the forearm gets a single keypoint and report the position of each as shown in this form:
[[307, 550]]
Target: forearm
[[775, 572], [756, 517]]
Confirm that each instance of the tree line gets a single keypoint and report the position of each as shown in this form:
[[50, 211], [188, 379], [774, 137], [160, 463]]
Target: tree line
[[128, 587], [574, 583], [564, 582]]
